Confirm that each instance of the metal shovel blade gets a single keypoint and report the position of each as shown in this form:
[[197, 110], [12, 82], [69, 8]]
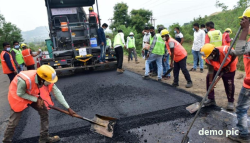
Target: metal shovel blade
[[185, 139], [108, 122], [193, 107]]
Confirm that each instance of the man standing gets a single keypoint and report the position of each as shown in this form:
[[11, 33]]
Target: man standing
[[28, 57], [146, 39], [155, 53], [16, 53], [199, 40], [213, 36], [178, 58], [131, 47], [8, 65], [24, 91], [102, 42], [226, 38], [203, 27], [92, 13], [243, 48], [178, 35], [214, 57], [119, 43]]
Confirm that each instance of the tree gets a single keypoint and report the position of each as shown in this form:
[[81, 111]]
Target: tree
[[139, 18], [121, 16], [161, 26], [221, 5], [9, 32]]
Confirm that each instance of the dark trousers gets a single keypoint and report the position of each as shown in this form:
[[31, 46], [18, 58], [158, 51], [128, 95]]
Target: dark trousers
[[11, 76], [32, 67], [181, 65], [228, 80], [119, 56]]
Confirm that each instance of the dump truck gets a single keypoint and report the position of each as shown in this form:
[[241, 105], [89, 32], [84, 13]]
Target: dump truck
[[73, 37]]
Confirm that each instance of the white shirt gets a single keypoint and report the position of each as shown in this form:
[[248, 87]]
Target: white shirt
[[179, 35], [146, 38], [123, 41], [199, 40]]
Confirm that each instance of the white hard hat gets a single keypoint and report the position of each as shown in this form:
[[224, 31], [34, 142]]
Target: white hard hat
[[131, 33]]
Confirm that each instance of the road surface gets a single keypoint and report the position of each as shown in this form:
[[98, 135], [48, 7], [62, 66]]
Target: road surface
[[148, 111]]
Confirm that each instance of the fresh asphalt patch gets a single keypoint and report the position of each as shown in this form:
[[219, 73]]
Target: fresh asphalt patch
[[148, 111]]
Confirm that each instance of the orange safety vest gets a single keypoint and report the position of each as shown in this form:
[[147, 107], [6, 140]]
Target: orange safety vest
[[45, 95], [216, 64], [5, 67], [179, 51], [28, 58], [17, 103], [94, 14], [224, 41], [246, 60]]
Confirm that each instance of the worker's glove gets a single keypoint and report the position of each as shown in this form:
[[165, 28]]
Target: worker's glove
[[71, 112], [40, 103]]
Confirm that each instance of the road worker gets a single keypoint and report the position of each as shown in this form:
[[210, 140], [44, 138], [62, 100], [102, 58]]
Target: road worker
[[119, 43], [243, 48], [28, 57], [32, 88], [213, 36], [226, 37], [178, 58], [17, 56], [214, 57], [92, 13], [131, 47], [8, 65], [155, 54]]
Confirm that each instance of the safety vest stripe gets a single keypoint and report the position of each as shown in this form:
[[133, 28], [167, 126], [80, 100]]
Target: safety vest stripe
[[27, 78]]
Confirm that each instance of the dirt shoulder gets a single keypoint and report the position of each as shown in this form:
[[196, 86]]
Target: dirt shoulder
[[199, 82]]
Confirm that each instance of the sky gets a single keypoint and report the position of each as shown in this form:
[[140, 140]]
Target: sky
[[29, 14]]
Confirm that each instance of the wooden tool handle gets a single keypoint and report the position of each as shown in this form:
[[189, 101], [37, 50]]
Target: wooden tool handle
[[75, 115], [64, 111]]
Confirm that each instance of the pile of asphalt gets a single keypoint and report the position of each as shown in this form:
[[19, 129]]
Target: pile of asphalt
[[137, 103]]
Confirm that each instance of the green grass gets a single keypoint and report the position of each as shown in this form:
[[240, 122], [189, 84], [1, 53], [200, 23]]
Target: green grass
[[188, 47]]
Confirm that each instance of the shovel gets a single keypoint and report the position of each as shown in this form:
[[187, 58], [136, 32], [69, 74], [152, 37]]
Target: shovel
[[194, 107], [100, 124], [169, 71]]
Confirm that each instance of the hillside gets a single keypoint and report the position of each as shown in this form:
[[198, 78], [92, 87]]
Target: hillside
[[37, 35]]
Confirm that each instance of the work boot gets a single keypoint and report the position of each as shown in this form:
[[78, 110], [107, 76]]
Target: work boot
[[154, 74], [209, 102], [230, 106], [189, 85], [175, 84], [201, 70], [49, 139], [119, 71], [159, 79], [146, 77], [192, 69], [239, 138]]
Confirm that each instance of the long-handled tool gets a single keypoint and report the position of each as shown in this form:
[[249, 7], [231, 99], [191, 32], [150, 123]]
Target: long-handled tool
[[100, 124], [186, 138], [169, 71], [194, 107]]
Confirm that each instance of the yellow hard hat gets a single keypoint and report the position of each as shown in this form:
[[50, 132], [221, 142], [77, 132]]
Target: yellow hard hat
[[164, 32], [23, 45], [228, 29], [206, 50], [47, 73], [90, 8], [246, 13]]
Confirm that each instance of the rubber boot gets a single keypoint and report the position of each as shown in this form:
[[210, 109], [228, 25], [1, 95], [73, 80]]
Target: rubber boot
[[48, 139]]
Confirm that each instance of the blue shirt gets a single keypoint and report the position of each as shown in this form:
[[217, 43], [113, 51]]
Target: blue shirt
[[101, 36], [8, 61]]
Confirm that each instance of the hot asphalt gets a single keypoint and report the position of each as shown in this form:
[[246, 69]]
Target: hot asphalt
[[148, 111]]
